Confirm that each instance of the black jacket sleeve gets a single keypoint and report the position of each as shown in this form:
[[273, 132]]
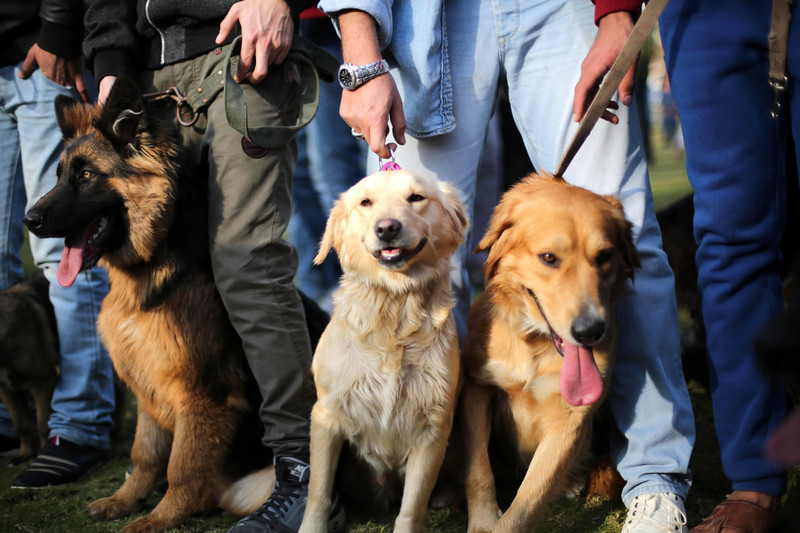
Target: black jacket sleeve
[[112, 41], [61, 31], [111, 46]]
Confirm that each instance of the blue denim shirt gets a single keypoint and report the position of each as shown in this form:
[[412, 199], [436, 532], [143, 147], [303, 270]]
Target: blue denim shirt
[[413, 39]]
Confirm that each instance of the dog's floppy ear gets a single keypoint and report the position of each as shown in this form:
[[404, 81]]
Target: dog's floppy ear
[[122, 117], [64, 105], [498, 224], [455, 211], [625, 242], [330, 239]]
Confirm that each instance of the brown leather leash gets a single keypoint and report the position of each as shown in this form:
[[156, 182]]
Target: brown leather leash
[[778, 44], [641, 30]]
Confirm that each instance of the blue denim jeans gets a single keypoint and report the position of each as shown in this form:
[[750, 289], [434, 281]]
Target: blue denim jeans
[[717, 59], [30, 144], [540, 46], [329, 161]]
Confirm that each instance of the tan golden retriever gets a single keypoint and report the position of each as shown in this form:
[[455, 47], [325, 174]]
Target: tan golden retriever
[[387, 366], [541, 340]]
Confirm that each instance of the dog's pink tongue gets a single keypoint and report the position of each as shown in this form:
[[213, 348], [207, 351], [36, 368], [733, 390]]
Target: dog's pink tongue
[[71, 259], [580, 381]]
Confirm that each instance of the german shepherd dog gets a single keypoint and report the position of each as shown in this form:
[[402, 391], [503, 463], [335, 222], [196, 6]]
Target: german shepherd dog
[[29, 359], [122, 200]]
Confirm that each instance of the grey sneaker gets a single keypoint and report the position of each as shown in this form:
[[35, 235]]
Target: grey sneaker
[[661, 512], [283, 510]]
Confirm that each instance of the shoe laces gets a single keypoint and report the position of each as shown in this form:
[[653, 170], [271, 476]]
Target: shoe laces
[[276, 506], [288, 489], [658, 511]]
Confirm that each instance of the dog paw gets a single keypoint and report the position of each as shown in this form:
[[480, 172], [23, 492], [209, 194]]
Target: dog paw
[[483, 521], [109, 509], [479, 529]]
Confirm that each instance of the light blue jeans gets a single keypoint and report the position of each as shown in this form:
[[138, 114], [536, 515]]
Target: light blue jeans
[[540, 46], [329, 161], [30, 144]]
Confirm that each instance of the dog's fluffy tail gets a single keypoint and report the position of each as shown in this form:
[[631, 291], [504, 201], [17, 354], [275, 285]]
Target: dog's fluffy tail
[[245, 495]]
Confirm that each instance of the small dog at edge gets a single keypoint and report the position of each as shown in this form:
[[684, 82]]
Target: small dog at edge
[[29, 359]]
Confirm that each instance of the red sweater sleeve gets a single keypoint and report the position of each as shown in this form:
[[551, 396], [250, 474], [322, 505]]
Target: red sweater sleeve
[[604, 7]]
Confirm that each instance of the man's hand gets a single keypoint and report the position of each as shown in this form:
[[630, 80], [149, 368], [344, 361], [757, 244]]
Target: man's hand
[[267, 30], [369, 109], [66, 71], [104, 88], [612, 33]]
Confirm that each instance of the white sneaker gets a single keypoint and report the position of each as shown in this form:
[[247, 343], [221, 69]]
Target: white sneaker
[[662, 512]]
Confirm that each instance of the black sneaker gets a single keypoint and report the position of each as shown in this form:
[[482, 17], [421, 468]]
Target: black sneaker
[[59, 462], [283, 511]]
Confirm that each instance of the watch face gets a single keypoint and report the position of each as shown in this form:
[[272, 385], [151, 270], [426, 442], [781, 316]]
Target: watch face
[[345, 78]]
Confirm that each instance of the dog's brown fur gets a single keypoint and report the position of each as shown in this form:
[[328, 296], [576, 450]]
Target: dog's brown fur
[[163, 321], [558, 257], [29, 359], [387, 365]]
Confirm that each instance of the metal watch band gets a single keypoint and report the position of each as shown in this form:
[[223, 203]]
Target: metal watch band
[[362, 74]]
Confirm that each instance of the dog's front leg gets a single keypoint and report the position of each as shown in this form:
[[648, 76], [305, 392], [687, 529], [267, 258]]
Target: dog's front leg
[[43, 396], [422, 469], [198, 453], [476, 421], [547, 473], [20, 416], [149, 455], [326, 445]]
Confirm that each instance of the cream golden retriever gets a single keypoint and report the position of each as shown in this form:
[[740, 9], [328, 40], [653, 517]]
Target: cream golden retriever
[[541, 340], [387, 367]]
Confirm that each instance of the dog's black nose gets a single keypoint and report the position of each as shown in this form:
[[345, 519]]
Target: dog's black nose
[[588, 330], [33, 219], [387, 229]]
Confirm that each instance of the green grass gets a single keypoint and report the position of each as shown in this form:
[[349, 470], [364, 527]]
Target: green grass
[[57, 510], [63, 509], [667, 175]]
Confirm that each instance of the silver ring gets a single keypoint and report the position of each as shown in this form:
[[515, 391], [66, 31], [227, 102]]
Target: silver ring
[[356, 134]]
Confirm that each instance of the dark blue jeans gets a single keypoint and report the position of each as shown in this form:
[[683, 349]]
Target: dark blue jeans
[[717, 60]]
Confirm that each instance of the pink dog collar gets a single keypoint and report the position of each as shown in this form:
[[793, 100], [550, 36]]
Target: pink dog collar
[[389, 165]]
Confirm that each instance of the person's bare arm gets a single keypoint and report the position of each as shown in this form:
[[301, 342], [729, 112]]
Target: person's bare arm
[[374, 105]]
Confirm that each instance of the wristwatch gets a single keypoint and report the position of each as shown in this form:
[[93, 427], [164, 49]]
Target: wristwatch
[[351, 76]]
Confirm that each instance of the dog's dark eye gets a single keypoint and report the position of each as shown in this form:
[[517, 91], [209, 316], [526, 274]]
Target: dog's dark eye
[[549, 259], [415, 198], [366, 202], [86, 174], [604, 257]]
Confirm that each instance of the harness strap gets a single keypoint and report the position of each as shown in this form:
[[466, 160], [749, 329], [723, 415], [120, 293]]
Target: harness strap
[[314, 62], [205, 93]]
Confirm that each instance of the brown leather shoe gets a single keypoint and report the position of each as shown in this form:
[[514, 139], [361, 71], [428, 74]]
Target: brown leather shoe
[[740, 515]]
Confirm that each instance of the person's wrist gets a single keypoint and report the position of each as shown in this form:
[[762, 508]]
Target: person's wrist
[[352, 76], [616, 18]]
